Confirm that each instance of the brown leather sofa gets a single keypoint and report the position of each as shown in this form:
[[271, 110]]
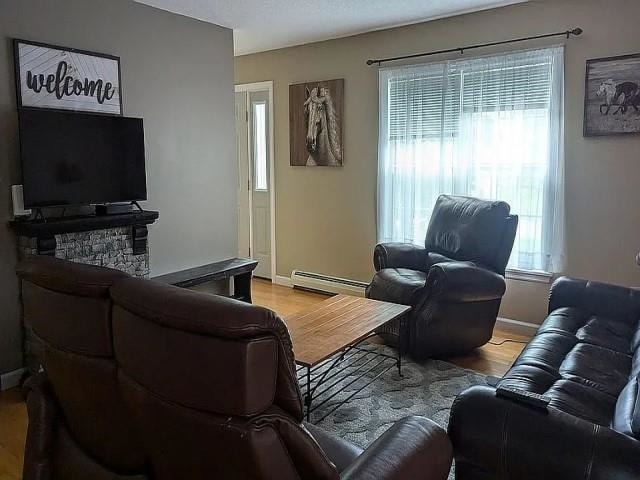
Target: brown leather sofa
[[456, 282], [585, 359], [146, 381]]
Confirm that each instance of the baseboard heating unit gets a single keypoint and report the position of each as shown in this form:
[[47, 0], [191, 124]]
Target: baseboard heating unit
[[327, 283]]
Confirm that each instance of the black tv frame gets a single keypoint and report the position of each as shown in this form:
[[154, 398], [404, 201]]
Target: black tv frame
[[38, 208]]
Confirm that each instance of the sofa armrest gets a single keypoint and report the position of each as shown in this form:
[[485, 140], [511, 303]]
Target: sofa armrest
[[595, 298], [399, 255], [495, 437], [464, 282], [413, 448]]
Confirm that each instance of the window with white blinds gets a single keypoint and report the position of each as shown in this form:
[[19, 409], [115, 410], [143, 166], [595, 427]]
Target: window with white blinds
[[416, 106], [488, 127], [417, 103]]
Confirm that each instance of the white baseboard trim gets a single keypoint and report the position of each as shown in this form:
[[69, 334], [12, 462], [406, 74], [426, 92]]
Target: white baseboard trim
[[282, 280], [327, 284], [516, 326], [11, 379]]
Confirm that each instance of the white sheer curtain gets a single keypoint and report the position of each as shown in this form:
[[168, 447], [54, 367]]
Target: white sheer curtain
[[488, 127]]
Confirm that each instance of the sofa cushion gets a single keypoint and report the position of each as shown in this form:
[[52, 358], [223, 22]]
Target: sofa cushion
[[607, 333], [582, 362], [582, 401], [597, 367], [397, 285], [627, 415]]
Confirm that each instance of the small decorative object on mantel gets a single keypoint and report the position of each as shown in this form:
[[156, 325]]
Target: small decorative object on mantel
[[315, 123], [48, 76], [612, 96]]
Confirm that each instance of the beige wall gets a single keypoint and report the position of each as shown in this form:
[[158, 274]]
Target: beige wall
[[177, 74], [326, 217]]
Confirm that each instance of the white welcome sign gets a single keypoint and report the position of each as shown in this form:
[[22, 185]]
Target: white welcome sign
[[62, 78]]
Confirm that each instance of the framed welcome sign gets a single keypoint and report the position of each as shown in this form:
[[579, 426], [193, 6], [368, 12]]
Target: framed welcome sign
[[48, 76]]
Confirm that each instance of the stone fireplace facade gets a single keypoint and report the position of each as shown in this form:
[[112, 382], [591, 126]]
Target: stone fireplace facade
[[109, 247]]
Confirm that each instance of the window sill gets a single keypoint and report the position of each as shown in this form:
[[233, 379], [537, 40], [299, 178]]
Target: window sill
[[529, 276]]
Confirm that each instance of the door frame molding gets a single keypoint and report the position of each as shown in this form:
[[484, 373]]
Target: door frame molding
[[260, 87]]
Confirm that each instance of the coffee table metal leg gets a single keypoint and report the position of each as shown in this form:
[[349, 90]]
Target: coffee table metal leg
[[363, 364], [308, 397], [400, 340]]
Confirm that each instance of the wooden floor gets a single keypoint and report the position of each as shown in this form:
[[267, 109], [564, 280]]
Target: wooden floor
[[490, 360], [13, 427]]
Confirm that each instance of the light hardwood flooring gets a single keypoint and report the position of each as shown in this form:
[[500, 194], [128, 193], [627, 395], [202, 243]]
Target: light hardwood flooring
[[13, 428], [490, 359]]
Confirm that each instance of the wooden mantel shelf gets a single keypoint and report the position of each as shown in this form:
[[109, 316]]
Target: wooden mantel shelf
[[46, 230], [83, 223]]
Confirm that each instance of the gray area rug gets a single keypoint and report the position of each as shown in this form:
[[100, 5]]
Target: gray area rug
[[427, 388]]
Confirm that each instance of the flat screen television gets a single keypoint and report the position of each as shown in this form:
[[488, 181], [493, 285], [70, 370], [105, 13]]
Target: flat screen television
[[71, 158]]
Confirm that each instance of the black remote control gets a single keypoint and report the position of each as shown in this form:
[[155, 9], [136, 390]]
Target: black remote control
[[535, 400]]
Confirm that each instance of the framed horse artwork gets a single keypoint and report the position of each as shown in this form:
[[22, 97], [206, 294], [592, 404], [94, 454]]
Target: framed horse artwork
[[315, 123], [612, 96]]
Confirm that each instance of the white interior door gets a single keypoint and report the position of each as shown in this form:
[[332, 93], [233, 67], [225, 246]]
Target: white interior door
[[254, 169], [260, 163], [243, 187]]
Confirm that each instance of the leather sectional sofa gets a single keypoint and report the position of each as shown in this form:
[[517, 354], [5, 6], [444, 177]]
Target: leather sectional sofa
[[585, 359], [143, 380]]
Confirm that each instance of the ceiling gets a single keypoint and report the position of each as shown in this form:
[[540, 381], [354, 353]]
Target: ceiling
[[260, 25]]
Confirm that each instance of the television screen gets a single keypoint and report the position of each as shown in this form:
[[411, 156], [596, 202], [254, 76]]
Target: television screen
[[77, 158]]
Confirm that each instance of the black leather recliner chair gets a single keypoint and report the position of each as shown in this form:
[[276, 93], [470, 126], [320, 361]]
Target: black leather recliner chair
[[456, 282]]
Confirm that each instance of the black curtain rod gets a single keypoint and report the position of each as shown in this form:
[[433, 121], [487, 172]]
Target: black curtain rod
[[576, 32]]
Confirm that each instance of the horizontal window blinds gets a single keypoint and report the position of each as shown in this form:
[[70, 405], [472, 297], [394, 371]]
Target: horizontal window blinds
[[430, 105]]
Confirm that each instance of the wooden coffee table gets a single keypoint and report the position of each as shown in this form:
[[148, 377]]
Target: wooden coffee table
[[327, 340]]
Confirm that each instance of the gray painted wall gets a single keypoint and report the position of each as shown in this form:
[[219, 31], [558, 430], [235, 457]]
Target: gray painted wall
[[177, 73]]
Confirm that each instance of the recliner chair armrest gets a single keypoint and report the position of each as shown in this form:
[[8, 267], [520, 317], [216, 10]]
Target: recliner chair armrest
[[399, 255], [464, 282], [595, 298], [495, 437], [413, 448]]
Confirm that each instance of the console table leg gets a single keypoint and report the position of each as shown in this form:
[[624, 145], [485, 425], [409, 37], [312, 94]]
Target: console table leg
[[46, 245], [242, 287], [402, 338]]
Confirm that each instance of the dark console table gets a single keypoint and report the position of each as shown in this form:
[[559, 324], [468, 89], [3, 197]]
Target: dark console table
[[240, 269]]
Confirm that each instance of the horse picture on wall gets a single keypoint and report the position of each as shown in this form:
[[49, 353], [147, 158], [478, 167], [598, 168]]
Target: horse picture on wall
[[612, 96], [315, 121]]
